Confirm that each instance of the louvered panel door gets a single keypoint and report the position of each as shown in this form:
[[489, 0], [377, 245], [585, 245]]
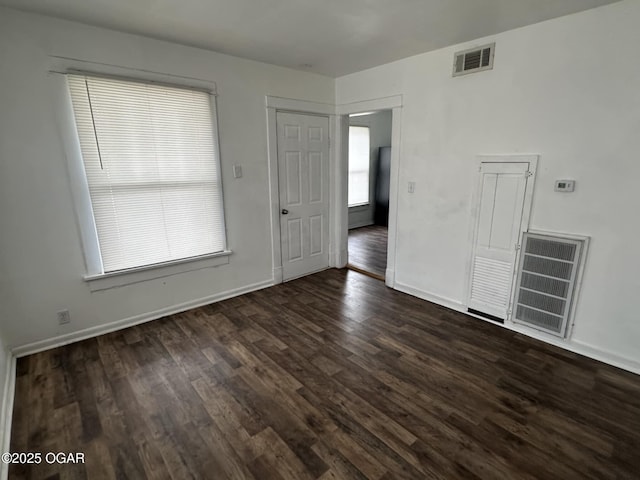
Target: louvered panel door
[[303, 180], [499, 226]]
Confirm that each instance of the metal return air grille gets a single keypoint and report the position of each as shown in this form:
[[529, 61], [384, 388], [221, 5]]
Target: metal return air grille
[[546, 280]]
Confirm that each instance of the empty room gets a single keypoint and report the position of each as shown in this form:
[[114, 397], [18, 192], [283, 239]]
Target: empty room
[[351, 239]]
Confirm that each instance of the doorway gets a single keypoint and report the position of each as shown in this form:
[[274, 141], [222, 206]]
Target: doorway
[[369, 164]]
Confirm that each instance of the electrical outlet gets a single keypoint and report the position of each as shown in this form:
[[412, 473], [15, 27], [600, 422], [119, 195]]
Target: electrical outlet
[[63, 317], [412, 187]]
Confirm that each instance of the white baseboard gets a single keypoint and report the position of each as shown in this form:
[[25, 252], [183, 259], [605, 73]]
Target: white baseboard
[[390, 279], [575, 346], [91, 332], [6, 414], [430, 297], [277, 275], [342, 258], [607, 357]]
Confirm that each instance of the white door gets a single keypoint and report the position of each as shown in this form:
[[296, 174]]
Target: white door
[[503, 214], [303, 177]]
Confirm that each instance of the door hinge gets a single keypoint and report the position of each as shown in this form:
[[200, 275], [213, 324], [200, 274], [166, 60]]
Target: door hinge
[[517, 246], [529, 173]]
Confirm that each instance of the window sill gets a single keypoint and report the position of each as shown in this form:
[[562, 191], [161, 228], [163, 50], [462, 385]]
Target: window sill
[[360, 206], [130, 276]]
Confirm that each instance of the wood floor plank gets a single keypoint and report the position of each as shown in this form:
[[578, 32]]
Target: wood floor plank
[[331, 376], [368, 249]]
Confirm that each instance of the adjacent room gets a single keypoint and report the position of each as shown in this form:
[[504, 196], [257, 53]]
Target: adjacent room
[[331, 240], [368, 191]]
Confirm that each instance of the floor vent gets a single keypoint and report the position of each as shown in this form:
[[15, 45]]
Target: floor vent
[[473, 60], [546, 281]]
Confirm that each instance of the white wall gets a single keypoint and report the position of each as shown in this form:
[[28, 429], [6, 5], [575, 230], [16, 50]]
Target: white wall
[[379, 124], [567, 89], [40, 252]]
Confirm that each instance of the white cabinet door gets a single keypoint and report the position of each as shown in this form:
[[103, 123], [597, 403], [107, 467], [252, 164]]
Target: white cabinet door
[[501, 196], [303, 177]]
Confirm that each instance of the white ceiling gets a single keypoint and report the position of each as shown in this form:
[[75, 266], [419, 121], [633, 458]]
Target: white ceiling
[[330, 37]]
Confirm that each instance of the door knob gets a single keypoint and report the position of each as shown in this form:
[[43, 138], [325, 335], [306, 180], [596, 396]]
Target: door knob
[[285, 211]]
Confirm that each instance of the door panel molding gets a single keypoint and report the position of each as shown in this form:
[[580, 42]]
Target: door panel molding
[[303, 179]]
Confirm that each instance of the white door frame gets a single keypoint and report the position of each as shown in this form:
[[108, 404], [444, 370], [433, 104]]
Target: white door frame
[[279, 104], [393, 103], [338, 174], [532, 160]]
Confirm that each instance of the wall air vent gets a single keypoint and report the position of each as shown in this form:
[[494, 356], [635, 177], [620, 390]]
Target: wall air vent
[[473, 60], [545, 287]]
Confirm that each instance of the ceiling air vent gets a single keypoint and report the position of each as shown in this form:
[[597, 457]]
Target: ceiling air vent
[[473, 60], [546, 282]]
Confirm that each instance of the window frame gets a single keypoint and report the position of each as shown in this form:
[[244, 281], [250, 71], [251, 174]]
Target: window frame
[[368, 202], [94, 274]]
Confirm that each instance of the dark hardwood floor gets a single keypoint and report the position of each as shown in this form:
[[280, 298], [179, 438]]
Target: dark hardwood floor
[[368, 249], [332, 376]]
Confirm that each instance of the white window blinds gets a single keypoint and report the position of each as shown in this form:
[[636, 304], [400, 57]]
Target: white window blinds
[[151, 160], [359, 159]]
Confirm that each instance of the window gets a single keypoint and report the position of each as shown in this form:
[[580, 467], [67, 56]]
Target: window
[[151, 161], [359, 159]]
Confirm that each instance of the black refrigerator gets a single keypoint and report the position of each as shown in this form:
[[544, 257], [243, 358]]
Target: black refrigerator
[[383, 177]]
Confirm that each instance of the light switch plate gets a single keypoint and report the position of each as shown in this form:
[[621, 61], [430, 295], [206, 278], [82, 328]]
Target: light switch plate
[[237, 171]]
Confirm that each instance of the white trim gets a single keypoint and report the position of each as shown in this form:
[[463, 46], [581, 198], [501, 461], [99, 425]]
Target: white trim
[[91, 332], [295, 105], [6, 414], [333, 162], [278, 275], [340, 191], [390, 278], [274, 190], [120, 278], [393, 103], [68, 133], [273, 106], [430, 297], [61, 65], [372, 105], [575, 346], [607, 357], [338, 154]]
